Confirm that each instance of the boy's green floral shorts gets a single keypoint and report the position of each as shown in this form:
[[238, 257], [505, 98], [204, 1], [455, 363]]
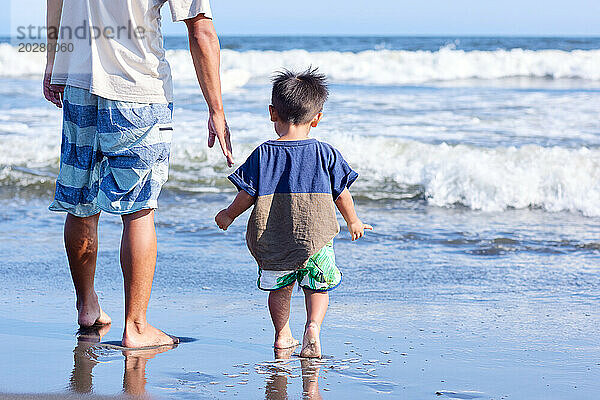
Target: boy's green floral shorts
[[320, 274]]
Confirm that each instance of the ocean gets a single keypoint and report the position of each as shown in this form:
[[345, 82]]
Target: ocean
[[479, 168]]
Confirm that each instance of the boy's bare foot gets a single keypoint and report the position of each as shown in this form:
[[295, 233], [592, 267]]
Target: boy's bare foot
[[285, 342], [285, 354], [311, 343], [90, 313], [145, 335]]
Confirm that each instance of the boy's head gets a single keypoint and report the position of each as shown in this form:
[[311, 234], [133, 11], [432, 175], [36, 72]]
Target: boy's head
[[297, 97]]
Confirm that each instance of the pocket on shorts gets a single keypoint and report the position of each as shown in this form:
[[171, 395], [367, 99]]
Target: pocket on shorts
[[136, 150]]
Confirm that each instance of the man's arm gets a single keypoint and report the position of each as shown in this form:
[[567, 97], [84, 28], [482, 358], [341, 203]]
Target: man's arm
[[241, 203], [345, 204], [52, 93], [206, 53]]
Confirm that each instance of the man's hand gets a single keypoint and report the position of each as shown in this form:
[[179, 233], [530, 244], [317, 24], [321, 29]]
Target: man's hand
[[206, 55], [218, 129], [52, 93], [223, 219], [357, 229]]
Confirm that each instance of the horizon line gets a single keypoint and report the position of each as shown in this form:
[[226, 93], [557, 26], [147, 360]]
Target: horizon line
[[385, 35]]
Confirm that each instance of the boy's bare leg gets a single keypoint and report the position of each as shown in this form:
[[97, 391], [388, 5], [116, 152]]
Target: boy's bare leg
[[316, 307], [310, 379], [279, 307], [81, 244], [138, 260]]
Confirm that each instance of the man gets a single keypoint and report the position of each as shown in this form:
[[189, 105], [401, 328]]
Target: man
[[110, 76]]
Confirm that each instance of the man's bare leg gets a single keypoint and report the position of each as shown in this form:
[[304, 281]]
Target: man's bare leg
[[279, 307], [134, 376], [81, 244], [138, 260], [85, 360], [316, 307]]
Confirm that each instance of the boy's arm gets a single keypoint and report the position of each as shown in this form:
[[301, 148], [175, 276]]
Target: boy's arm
[[345, 204], [52, 93], [241, 203], [205, 50]]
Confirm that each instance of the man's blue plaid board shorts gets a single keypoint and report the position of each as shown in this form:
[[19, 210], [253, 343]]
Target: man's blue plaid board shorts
[[114, 154]]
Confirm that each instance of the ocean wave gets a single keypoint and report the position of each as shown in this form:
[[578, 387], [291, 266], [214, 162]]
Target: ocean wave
[[487, 179], [398, 67], [373, 67]]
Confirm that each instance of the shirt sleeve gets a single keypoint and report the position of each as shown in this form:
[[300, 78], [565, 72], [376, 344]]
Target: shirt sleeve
[[185, 9], [246, 176], [340, 174]]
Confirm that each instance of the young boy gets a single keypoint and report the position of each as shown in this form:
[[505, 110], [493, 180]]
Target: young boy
[[293, 183]]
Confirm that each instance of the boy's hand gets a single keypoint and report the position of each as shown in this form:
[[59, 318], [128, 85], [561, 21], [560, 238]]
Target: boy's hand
[[357, 229], [223, 219]]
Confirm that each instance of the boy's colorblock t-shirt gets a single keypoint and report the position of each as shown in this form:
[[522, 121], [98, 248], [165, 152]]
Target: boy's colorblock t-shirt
[[295, 184]]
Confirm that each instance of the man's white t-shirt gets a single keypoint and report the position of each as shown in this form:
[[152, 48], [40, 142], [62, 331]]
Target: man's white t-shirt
[[114, 48]]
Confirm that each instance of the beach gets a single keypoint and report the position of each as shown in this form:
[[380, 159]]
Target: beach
[[480, 278], [520, 328]]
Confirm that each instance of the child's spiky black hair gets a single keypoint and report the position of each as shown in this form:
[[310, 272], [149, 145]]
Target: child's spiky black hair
[[299, 96]]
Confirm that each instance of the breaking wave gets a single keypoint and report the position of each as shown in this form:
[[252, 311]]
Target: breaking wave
[[372, 67], [488, 179]]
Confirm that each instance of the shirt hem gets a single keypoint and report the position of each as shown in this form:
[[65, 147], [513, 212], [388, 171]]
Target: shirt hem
[[289, 266], [162, 99], [142, 99]]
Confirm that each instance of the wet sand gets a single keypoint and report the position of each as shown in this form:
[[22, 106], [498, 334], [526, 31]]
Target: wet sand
[[60, 396], [411, 320], [477, 350]]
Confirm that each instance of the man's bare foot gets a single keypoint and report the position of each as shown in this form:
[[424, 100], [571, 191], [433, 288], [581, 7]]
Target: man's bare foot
[[285, 342], [92, 334], [90, 313], [311, 343], [103, 319], [145, 335]]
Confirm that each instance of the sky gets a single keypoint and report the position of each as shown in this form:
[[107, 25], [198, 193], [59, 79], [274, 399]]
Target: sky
[[375, 17]]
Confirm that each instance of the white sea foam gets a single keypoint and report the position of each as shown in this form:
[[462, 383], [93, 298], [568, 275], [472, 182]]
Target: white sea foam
[[488, 179], [559, 174], [367, 67], [409, 67], [15, 64]]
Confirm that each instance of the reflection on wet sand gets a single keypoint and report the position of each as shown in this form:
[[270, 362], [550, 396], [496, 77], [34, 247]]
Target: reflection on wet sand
[[84, 359], [134, 377], [310, 379], [277, 380], [86, 354]]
